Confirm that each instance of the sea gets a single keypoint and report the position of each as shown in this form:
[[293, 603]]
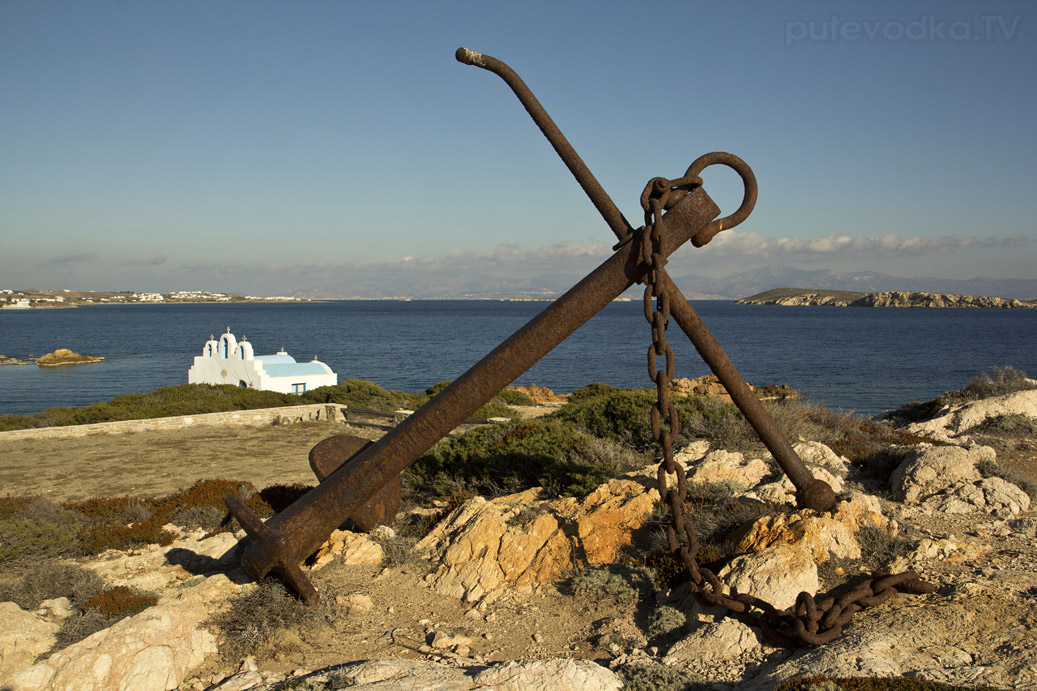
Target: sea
[[860, 360]]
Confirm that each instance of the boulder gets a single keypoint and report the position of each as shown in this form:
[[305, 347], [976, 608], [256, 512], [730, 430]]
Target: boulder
[[777, 574], [158, 568], [23, 636], [824, 535], [521, 541], [814, 453], [993, 495], [357, 549], [722, 641], [151, 651], [931, 470], [958, 418], [731, 467]]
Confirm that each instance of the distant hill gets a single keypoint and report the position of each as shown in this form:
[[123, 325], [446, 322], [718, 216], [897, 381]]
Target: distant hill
[[893, 298], [414, 282], [775, 276]]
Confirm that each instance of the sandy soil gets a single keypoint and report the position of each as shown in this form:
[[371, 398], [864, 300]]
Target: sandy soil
[[161, 462]]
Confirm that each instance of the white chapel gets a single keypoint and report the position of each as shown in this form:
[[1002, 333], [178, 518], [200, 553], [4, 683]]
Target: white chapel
[[229, 361]]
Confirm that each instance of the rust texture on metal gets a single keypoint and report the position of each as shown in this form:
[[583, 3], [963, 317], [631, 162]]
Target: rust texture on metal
[[330, 454], [360, 479]]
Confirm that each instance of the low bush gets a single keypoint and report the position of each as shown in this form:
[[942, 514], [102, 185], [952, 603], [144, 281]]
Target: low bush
[[998, 382], [620, 582], [657, 677], [358, 393], [501, 459], [120, 602], [51, 579], [197, 399], [252, 623], [666, 621], [25, 539], [100, 611]]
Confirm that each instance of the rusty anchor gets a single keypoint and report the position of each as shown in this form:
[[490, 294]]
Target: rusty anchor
[[359, 480]]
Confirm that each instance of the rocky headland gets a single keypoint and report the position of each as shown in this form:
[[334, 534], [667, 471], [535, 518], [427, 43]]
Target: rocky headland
[[894, 298], [531, 590]]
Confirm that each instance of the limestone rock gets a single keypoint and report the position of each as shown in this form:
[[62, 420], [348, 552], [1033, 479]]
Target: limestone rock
[[814, 453], [522, 541], [55, 608], [784, 492], [348, 547], [153, 650], [158, 568], [23, 636], [731, 467], [958, 418], [825, 536], [993, 494], [389, 674], [547, 675], [777, 574], [929, 471], [64, 356], [722, 641]]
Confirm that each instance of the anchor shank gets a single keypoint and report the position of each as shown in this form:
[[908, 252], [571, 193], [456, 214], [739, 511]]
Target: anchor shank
[[310, 520]]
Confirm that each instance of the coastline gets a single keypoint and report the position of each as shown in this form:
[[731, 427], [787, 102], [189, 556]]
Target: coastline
[[796, 297]]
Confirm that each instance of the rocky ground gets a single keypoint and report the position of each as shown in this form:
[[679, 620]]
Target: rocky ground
[[525, 591]]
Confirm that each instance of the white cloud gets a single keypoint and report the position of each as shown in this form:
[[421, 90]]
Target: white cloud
[[838, 246]]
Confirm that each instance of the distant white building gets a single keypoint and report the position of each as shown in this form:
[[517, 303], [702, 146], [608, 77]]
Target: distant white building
[[228, 361]]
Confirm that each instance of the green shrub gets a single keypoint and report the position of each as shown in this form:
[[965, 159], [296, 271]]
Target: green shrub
[[358, 393], [492, 409], [495, 407], [606, 412], [501, 459], [22, 539], [666, 621], [513, 397], [1010, 424]]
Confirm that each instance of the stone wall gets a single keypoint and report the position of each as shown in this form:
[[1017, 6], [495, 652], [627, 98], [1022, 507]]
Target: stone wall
[[331, 412]]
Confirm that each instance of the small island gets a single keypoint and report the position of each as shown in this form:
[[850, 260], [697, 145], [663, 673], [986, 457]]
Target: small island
[[892, 298], [63, 356]]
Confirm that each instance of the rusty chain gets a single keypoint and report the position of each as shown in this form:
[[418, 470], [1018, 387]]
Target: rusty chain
[[810, 621]]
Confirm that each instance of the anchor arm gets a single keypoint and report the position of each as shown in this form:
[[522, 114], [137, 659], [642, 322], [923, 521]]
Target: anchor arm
[[811, 493]]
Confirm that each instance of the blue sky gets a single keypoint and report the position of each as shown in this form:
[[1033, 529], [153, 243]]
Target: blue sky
[[262, 147]]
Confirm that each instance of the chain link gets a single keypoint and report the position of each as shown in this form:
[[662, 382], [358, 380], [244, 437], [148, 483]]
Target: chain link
[[810, 621]]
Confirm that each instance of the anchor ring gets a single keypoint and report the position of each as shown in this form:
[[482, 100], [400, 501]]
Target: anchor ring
[[748, 198]]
